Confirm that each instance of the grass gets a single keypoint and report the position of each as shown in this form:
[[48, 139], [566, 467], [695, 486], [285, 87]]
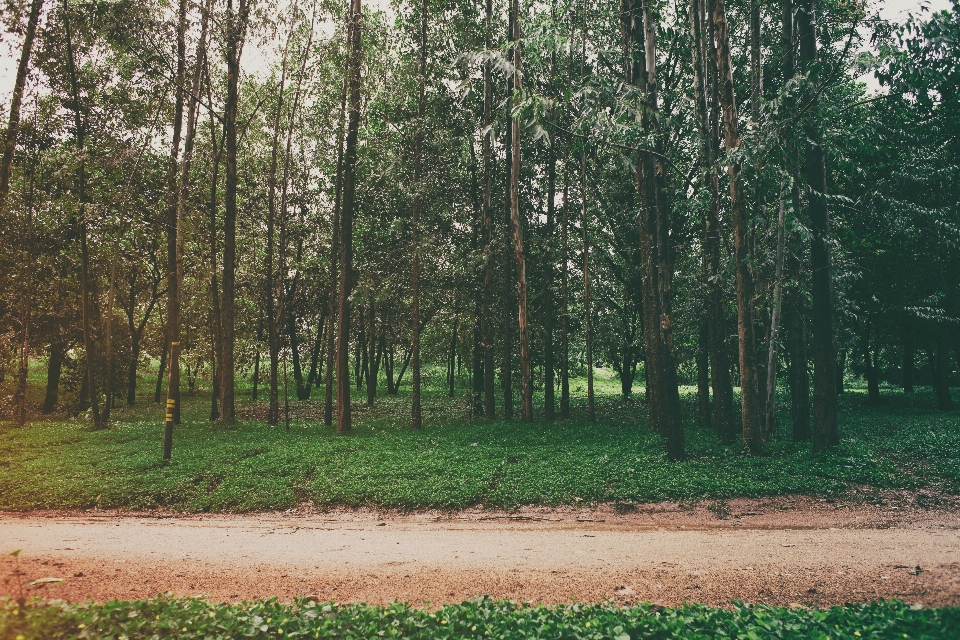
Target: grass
[[455, 463], [478, 618]]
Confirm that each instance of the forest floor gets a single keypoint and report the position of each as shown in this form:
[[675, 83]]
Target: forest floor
[[903, 445], [778, 552]]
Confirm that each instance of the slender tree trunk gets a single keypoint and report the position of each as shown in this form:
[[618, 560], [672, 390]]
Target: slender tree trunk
[[26, 294], [750, 402], [771, 382], [549, 408], [57, 353], [235, 28], [346, 223], [825, 431], [840, 370], [587, 311], [564, 303], [416, 413], [87, 304], [172, 414], [13, 124], [909, 355], [797, 371], [526, 387], [161, 371], [940, 368], [723, 414], [108, 334], [453, 357], [489, 397], [703, 375], [640, 30]]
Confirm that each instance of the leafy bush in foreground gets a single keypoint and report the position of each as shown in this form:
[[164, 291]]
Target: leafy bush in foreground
[[478, 618]]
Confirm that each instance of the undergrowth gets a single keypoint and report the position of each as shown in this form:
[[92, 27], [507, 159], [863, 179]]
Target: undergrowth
[[477, 618]]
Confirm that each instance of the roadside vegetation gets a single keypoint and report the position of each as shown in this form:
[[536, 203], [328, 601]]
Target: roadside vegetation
[[479, 618]]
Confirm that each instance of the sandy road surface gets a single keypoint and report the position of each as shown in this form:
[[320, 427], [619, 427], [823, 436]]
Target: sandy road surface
[[808, 556]]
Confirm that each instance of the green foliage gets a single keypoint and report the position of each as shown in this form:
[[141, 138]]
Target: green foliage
[[476, 618], [453, 463]]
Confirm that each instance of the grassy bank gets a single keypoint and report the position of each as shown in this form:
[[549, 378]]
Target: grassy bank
[[480, 618], [454, 463]]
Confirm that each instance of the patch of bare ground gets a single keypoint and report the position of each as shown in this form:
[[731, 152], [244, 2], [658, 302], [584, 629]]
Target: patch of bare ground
[[783, 551]]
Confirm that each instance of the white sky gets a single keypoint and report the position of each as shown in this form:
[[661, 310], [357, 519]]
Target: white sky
[[10, 46]]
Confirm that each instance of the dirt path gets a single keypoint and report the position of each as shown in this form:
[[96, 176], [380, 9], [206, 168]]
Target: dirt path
[[810, 553]]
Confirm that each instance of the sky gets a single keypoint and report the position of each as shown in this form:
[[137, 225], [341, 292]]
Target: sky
[[10, 46]]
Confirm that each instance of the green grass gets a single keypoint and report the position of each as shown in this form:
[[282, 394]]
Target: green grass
[[478, 618], [453, 463]]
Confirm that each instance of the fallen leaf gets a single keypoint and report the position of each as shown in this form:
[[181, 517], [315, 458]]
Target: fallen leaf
[[44, 581]]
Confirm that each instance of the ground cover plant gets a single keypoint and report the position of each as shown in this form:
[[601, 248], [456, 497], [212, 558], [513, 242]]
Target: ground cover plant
[[455, 462], [478, 618]]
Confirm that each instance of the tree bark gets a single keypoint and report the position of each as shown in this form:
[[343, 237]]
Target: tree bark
[[909, 355], [771, 381], [57, 353], [797, 370], [526, 388], [825, 388], [416, 412], [587, 311], [564, 302], [346, 223], [172, 413], [87, 305], [486, 305], [13, 124], [703, 375], [750, 404], [235, 29], [940, 369], [654, 222]]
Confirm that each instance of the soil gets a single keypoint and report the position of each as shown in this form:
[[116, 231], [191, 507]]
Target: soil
[[783, 551]]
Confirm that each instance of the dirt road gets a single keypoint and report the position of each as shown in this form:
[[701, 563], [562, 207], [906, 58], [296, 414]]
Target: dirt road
[[756, 552]]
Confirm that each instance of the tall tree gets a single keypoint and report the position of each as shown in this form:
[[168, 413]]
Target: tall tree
[[417, 413], [526, 388], [346, 222], [825, 431], [172, 413], [235, 30], [13, 124], [749, 392]]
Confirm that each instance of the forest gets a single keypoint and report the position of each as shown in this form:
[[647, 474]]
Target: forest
[[312, 202]]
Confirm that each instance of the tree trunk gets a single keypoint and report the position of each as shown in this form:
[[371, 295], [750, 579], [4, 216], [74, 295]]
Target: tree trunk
[[13, 125], [872, 374], [797, 370], [587, 320], [909, 355], [172, 414], [57, 353], [840, 370], [723, 413], [134, 345], [526, 388], [825, 387], [940, 369], [416, 412], [703, 376], [87, 302], [235, 28], [346, 223], [750, 404], [564, 303], [158, 390], [772, 362], [549, 409], [650, 182], [335, 254]]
